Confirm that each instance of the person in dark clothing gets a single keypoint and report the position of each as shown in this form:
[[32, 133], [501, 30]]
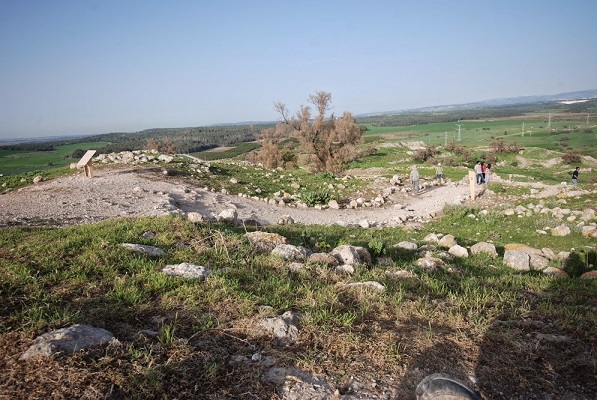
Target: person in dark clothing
[[575, 175]]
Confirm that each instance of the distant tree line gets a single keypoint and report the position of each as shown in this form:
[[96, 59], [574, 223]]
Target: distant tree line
[[181, 140]]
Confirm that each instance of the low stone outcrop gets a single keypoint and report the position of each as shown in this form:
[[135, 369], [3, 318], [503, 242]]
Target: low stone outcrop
[[186, 270], [67, 340], [151, 251]]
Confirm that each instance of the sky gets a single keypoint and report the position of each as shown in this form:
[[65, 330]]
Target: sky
[[84, 67]]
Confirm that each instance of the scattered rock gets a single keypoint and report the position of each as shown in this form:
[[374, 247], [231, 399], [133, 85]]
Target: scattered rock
[[556, 272], [187, 271], [517, 260], [484, 248], [458, 251], [285, 327], [291, 253], [561, 230], [346, 254], [227, 215], [376, 286], [447, 241], [406, 246], [323, 258], [67, 340], [589, 275], [144, 249], [265, 241], [195, 217]]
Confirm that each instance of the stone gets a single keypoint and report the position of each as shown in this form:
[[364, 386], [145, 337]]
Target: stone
[[517, 260], [264, 241], [37, 179], [295, 267], [364, 255], [151, 251], [548, 253], [589, 231], [291, 253], [227, 215], [399, 274], [333, 204], [588, 214], [295, 384], [67, 340], [364, 223], [431, 238], [484, 248], [458, 251], [165, 158], [430, 263], [538, 262], [195, 217], [323, 258], [186, 270], [447, 241], [589, 275], [561, 230], [406, 246], [346, 269], [284, 328], [555, 272], [286, 220], [523, 248], [346, 254], [376, 286]]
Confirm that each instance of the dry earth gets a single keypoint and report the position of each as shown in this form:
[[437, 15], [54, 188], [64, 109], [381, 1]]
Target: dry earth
[[131, 191]]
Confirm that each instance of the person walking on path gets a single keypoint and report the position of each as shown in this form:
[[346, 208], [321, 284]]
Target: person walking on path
[[439, 173], [478, 172], [575, 175], [414, 179]]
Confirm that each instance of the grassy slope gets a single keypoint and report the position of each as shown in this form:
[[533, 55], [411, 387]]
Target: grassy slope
[[15, 162], [439, 321]]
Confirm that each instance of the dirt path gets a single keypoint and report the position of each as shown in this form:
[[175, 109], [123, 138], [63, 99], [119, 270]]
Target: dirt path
[[132, 191]]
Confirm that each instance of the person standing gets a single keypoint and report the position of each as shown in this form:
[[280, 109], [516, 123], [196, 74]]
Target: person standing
[[439, 173], [575, 175], [488, 174], [478, 172], [414, 179], [482, 172]]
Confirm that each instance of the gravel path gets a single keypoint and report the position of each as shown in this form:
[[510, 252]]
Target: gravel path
[[131, 191]]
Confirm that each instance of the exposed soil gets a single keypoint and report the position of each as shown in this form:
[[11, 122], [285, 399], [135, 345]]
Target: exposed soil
[[131, 191]]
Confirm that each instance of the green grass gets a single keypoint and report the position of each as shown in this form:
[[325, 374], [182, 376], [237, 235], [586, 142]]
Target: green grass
[[18, 162], [234, 151], [56, 277]]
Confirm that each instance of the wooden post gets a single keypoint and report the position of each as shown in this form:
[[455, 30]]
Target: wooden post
[[472, 182], [86, 162]]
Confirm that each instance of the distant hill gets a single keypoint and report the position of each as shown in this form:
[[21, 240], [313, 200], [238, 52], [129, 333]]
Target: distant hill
[[510, 101]]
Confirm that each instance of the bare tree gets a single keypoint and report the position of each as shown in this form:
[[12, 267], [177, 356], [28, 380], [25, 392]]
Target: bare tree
[[330, 142]]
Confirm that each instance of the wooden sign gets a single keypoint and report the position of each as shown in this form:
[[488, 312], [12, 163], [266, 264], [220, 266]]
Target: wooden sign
[[86, 161], [472, 182]]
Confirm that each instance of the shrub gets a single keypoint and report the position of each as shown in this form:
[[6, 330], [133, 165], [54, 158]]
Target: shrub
[[314, 197], [571, 157], [376, 247], [426, 153]]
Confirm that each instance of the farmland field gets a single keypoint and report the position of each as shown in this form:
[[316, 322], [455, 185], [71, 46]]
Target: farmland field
[[17, 161]]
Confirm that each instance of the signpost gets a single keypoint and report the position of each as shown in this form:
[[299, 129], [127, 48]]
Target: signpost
[[472, 182], [87, 163]]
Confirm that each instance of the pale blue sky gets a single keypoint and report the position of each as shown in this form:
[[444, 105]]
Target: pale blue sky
[[85, 67]]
